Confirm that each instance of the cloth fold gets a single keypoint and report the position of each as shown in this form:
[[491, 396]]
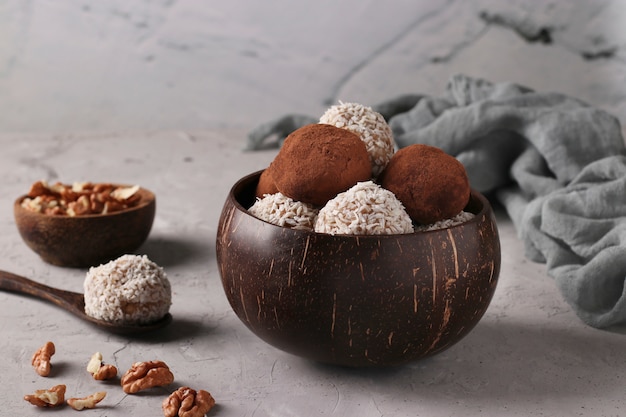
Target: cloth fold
[[557, 164]]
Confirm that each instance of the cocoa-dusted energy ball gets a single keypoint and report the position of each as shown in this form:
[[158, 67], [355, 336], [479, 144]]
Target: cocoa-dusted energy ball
[[266, 184], [431, 184], [371, 127], [318, 161], [364, 209]]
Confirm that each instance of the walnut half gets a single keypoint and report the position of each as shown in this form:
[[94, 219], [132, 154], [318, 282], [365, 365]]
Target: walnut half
[[186, 402], [47, 397], [144, 375]]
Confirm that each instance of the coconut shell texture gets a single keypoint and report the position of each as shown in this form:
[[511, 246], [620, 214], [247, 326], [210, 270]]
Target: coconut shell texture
[[358, 301]]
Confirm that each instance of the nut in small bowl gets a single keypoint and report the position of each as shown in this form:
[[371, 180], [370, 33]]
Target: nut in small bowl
[[76, 238], [356, 300]]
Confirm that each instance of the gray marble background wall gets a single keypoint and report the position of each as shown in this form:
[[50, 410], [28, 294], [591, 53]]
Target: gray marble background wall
[[79, 65]]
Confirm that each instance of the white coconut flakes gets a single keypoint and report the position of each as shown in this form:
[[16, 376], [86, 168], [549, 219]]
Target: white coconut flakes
[[283, 211], [364, 209], [129, 290]]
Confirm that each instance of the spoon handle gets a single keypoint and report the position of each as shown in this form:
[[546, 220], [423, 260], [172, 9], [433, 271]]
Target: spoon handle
[[66, 299]]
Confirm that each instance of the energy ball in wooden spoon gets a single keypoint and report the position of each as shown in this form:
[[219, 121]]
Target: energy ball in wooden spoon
[[129, 290]]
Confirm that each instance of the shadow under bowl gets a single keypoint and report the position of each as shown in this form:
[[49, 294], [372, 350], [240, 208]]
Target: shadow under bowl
[[87, 240], [358, 301]]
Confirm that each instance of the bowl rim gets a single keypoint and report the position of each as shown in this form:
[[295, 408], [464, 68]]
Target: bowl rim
[[474, 194], [144, 202]]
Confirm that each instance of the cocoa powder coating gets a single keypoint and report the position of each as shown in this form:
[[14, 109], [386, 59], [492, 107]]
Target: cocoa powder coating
[[266, 184], [431, 184], [318, 161]]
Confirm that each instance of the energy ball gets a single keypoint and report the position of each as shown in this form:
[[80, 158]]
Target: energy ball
[[371, 128], [460, 218], [431, 184], [128, 290], [318, 161], [283, 211], [365, 209], [266, 184]]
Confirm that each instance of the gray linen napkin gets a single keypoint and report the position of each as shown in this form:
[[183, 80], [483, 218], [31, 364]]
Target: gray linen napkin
[[556, 164]]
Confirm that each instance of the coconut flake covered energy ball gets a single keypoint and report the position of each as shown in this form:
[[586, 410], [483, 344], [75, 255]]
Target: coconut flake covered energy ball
[[462, 217], [283, 211], [128, 290], [365, 209], [371, 128]]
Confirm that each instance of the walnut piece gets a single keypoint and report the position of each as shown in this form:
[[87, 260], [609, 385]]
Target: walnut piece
[[121, 194], [144, 375], [89, 401], [105, 373], [186, 402], [80, 198], [47, 397], [41, 359], [95, 362], [99, 370]]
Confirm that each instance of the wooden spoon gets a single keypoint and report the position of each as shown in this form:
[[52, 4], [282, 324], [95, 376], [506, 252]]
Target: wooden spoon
[[74, 303]]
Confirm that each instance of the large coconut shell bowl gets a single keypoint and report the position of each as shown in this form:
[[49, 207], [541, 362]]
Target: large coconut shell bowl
[[87, 240], [357, 301]]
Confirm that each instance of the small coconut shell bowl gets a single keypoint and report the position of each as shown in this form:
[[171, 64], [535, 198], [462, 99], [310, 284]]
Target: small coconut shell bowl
[[357, 301], [86, 240]]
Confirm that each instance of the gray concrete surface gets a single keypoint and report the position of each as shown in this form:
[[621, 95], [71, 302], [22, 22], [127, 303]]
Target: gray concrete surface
[[529, 356], [162, 93]]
